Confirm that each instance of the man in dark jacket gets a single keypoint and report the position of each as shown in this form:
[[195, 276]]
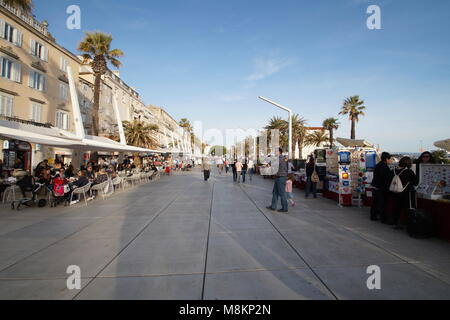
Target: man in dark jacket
[[382, 177], [279, 188]]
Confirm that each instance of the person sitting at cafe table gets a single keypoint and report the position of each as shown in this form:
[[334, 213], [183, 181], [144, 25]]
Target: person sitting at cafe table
[[80, 181], [90, 173]]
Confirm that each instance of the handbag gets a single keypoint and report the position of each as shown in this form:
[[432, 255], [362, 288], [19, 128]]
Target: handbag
[[315, 177]]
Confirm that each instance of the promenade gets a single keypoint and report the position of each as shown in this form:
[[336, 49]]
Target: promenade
[[184, 238]]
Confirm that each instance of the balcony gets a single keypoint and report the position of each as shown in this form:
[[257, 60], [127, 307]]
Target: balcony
[[41, 27]]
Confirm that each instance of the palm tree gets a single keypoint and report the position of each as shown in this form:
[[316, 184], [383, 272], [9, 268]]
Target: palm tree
[[316, 138], [96, 48], [140, 134], [218, 150], [354, 108], [25, 5], [331, 124], [299, 130], [187, 126]]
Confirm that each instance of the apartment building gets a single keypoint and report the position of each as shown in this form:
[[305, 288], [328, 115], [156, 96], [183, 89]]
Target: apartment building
[[128, 99], [170, 135], [33, 75]]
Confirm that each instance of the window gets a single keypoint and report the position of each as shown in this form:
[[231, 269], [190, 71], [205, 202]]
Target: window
[[10, 33], [10, 69], [37, 81], [38, 50], [36, 112], [62, 120], [63, 64], [63, 91], [6, 105]]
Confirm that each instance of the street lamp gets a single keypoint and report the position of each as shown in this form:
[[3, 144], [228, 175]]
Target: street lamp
[[290, 121]]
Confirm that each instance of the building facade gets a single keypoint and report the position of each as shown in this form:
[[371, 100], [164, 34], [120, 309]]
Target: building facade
[[33, 77]]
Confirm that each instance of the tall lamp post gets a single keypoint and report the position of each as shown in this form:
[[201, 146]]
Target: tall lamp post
[[290, 122]]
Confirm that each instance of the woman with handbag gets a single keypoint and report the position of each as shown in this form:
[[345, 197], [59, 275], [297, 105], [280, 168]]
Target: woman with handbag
[[312, 178], [405, 199]]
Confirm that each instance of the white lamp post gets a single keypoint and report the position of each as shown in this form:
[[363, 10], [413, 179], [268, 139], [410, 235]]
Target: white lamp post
[[290, 121]]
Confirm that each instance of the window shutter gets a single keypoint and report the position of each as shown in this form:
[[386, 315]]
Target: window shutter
[[44, 53], [31, 79], [44, 84], [33, 47], [17, 72], [20, 38], [1, 66], [9, 106], [2, 28], [2, 105]]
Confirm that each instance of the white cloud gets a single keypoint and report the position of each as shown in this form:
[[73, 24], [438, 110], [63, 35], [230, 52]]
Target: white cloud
[[265, 67]]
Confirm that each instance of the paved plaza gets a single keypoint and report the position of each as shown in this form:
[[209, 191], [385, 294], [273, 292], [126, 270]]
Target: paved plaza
[[183, 238]]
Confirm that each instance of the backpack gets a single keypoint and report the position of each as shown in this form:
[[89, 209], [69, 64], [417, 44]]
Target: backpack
[[396, 184]]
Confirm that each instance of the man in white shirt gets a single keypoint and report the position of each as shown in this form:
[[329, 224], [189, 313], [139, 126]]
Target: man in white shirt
[[250, 169], [239, 170]]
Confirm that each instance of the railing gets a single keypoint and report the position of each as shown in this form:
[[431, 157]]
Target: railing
[[26, 18], [30, 122]]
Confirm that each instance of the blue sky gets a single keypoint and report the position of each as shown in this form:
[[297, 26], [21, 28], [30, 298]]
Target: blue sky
[[209, 60]]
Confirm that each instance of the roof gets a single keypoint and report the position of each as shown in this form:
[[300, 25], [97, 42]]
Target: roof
[[354, 143], [443, 144]]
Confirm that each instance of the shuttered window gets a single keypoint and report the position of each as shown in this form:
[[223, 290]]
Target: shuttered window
[[6, 105], [10, 69], [36, 112], [38, 50], [10, 33], [37, 81]]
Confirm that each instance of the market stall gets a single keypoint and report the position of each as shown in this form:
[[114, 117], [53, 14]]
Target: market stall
[[349, 172], [433, 192]]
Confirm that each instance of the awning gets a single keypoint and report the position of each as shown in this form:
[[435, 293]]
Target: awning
[[351, 143], [33, 137], [443, 144], [59, 138]]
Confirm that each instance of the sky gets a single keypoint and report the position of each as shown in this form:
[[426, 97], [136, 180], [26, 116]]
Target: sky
[[209, 60]]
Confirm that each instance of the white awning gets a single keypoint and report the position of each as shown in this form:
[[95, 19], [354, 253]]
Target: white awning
[[32, 137], [348, 143], [443, 144]]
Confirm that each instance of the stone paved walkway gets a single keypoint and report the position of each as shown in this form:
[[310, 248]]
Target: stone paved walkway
[[183, 238]]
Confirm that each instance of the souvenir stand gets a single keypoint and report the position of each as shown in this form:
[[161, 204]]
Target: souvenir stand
[[350, 172], [433, 192]]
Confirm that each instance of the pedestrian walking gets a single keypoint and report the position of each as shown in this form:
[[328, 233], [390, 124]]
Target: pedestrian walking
[[244, 171], [289, 186], [311, 178], [279, 187], [382, 177], [206, 167], [233, 167], [251, 169], [239, 166], [227, 166]]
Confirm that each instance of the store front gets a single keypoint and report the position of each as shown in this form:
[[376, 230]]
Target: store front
[[17, 155]]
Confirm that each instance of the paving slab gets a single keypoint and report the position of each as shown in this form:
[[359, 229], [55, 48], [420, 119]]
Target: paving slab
[[178, 287], [299, 284], [398, 282]]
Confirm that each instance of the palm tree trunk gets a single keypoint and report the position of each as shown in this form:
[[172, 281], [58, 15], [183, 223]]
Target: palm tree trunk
[[96, 106], [95, 113], [353, 130], [331, 139]]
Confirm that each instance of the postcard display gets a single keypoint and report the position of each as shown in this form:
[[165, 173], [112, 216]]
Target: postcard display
[[434, 181]]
